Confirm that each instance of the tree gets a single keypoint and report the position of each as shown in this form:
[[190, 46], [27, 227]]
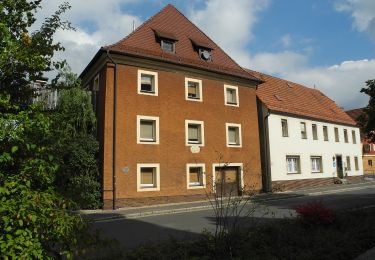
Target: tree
[[25, 55], [76, 147], [36, 221], [369, 118]]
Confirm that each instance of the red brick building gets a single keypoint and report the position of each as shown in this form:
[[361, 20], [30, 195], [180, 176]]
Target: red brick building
[[172, 109]]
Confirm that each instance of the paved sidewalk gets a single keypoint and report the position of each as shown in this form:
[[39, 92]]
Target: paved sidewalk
[[162, 209]]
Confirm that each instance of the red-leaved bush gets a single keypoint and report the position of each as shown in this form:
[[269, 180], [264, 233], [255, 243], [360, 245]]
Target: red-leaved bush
[[315, 213]]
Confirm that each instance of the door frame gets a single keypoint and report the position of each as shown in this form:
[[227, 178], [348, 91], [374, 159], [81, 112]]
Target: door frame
[[337, 166], [240, 167]]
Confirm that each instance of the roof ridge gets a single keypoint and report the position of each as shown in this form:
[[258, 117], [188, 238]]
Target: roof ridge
[[141, 26]]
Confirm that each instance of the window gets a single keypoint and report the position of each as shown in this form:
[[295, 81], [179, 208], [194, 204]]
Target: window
[[337, 139], [346, 136], [369, 162], [366, 148], [194, 131], [284, 127], [148, 177], [231, 95], [233, 133], [303, 130], [356, 163], [193, 89], [147, 130], [168, 46], [195, 175], [147, 83], [316, 164], [315, 132], [325, 133], [292, 164], [354, 137], [348, 167], [96, 83]]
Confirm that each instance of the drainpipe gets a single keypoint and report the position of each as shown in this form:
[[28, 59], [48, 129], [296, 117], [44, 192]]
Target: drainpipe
[[268, 175], [114, 132]]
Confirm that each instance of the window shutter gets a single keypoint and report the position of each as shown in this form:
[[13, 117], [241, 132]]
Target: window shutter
[[147, 176], [193, 89], [147, 130], [193, 132], [232, 134]]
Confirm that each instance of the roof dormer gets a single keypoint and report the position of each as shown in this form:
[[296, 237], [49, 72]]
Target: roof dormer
[[203, 49], [167, 40]]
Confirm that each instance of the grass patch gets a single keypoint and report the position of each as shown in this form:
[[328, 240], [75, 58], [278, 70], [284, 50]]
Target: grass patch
[[349, 235]]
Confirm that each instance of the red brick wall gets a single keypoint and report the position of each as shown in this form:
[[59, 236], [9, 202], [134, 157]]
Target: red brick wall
[[172, 154]]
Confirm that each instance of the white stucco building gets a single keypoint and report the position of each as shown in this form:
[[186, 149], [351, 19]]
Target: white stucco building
[[307, 139]]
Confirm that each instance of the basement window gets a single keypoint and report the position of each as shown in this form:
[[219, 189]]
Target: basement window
[[148, 177], [195, 176]]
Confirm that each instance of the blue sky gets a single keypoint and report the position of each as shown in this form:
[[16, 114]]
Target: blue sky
[[329, 44]]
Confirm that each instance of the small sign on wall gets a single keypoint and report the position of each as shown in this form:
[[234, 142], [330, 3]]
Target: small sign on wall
[[125, 169]]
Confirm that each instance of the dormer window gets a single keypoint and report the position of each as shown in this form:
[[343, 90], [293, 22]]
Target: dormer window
[[204, 49], [168, 46], [205, 54], [167, 41]]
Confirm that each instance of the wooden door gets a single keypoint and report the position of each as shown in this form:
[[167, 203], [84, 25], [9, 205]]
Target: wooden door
[[227, 181]]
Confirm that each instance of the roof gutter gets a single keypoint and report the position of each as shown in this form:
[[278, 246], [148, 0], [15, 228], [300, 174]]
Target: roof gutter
[[114, 131]]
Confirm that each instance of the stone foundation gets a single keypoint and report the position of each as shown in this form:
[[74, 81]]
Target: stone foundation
[[309, 183], [148, 201]]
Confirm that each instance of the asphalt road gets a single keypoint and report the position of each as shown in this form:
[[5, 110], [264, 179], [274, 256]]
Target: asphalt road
[[189, 225]]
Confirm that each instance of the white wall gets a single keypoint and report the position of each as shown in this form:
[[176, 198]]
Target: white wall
[[281, 146]]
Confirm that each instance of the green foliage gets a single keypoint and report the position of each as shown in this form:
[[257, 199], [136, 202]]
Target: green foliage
[[36, 222], [76, 147], [24, 55], [369, 121]]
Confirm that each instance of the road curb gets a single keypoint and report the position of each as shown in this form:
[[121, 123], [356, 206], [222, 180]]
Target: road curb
[[156, 212]]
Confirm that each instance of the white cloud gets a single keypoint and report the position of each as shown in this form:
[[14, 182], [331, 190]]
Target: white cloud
[[362, 12], [286, 40], [106, 25], [229, 24]]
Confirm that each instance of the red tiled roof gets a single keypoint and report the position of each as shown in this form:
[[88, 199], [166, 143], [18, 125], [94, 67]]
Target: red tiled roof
[[142, 42], [289, 97], [356, 113]]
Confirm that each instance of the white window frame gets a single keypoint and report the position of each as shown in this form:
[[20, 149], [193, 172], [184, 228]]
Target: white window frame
[[148, 165], [214, 165], [356, 163], [348, 167], [193, 165], [299, 164], [200, 99], [201, 123], [225, 96], [346, 136], [316, 132], [354, 137], [305, 126], [150, 118], [324, 136], [152, 73], [96, 83], [287, 127], [321, 163], [227, 125]]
